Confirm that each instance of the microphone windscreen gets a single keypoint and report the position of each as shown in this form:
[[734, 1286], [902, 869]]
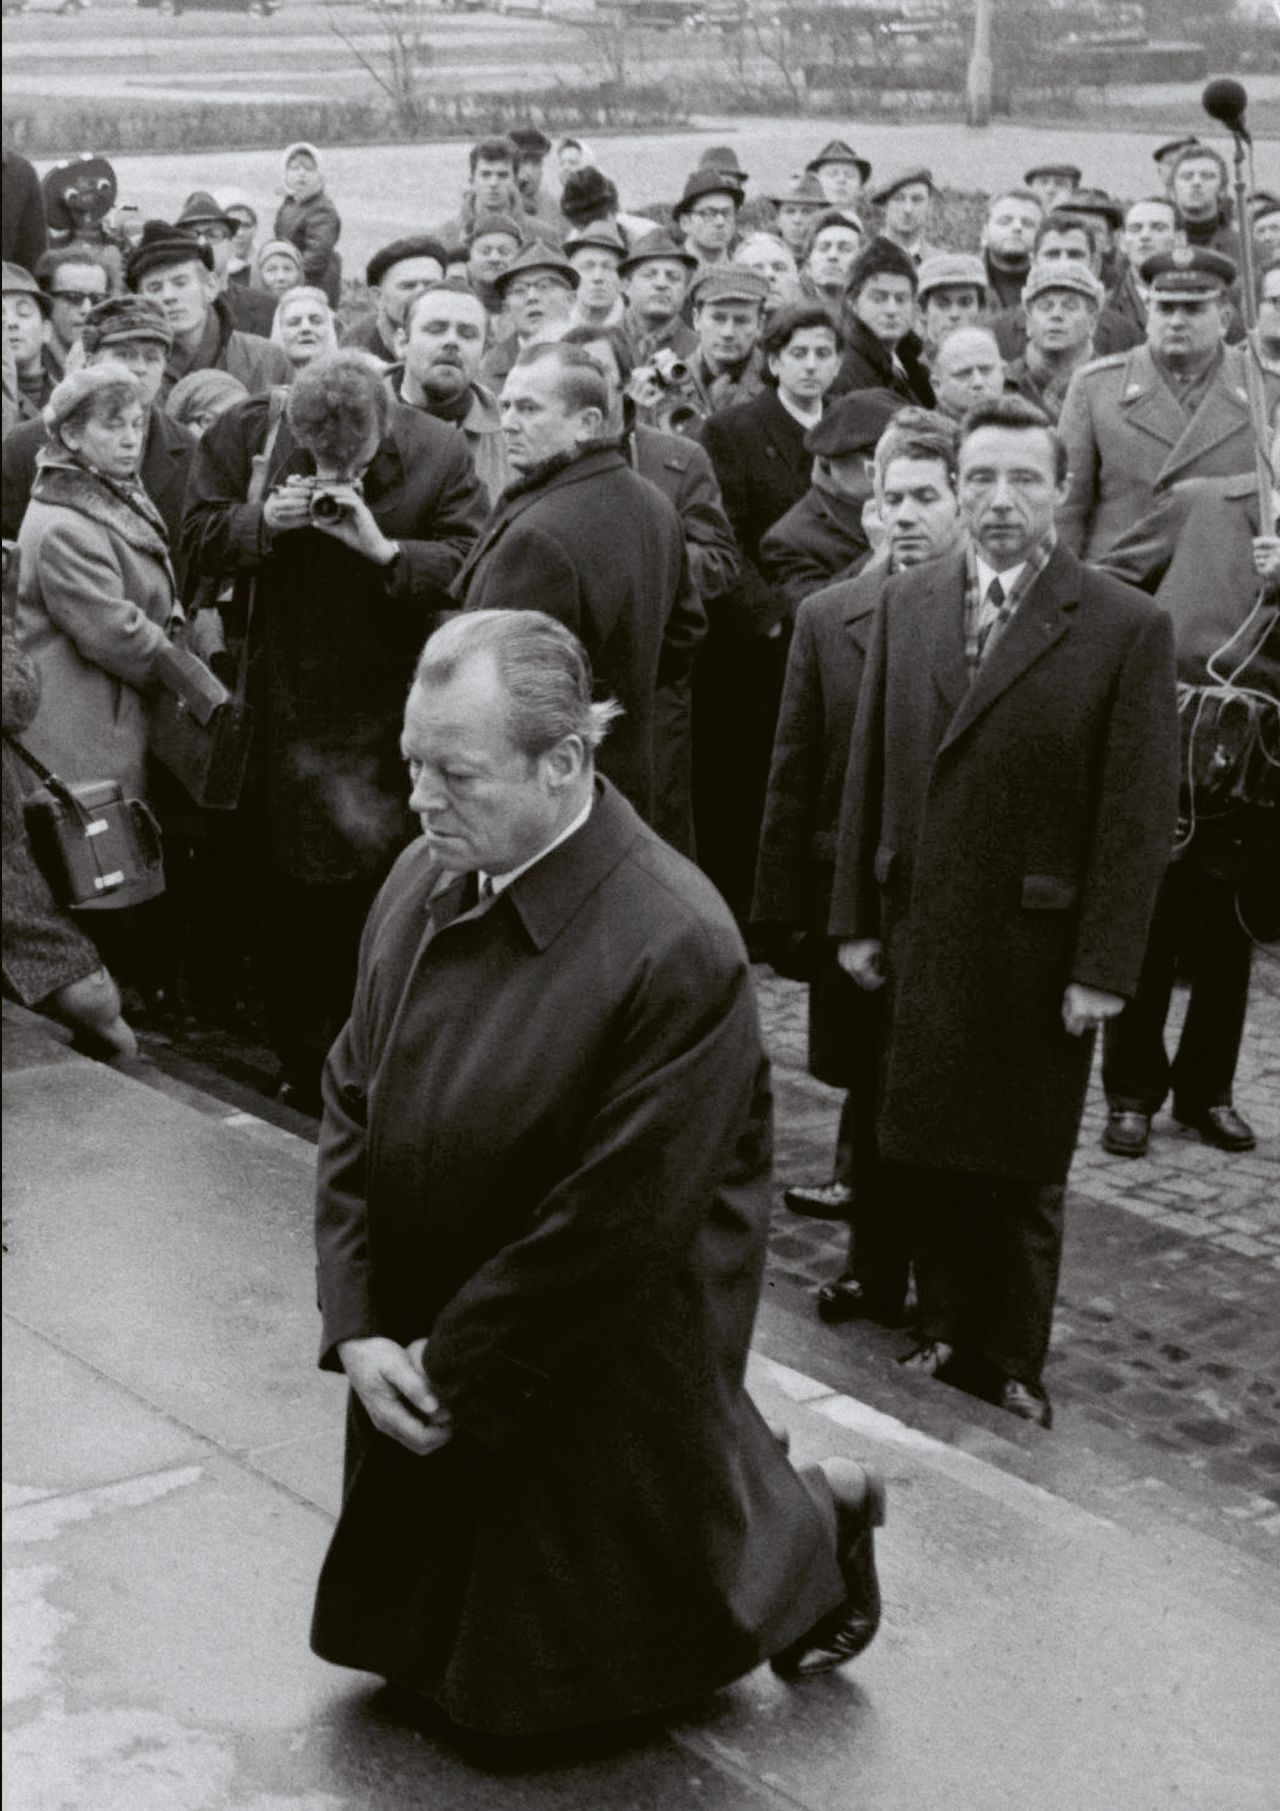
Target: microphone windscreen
[[1225, 100]]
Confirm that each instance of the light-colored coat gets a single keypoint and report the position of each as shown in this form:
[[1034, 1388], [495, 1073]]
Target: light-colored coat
[[95, 605], [1128, 439]]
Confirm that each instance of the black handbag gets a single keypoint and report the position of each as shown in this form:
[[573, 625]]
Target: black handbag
[[200, 732], [98, 850]]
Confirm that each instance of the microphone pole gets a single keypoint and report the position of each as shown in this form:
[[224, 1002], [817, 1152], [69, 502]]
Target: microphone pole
[[1255, 389]]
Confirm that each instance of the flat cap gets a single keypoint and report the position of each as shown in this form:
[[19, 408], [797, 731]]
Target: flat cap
[[162, 245], [1093, 201], [1173, 144], [1069, 172], [728, 283], [600, 233], [420, 245], [19, 281], [537, 256], [899, 180], [707, 182], [657, 245], [947, 270], [126, 317], [529, 141], [836, 151], [1188, 273], [1062, 273], [799, 191], [724, 159], [200, 209], [854, 423]]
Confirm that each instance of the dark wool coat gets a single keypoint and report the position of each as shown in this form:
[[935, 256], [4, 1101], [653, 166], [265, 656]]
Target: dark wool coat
[[602, 550], [1002, 840], [167, 453], [797, 858], [546, 1145], [334, 638], [1128, 438], [23, 233], [314, 227], [820, 539], [868, 365]]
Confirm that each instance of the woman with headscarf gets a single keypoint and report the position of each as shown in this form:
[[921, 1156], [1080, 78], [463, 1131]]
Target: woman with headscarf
[[277, 267], [304, 325], [196, 400]]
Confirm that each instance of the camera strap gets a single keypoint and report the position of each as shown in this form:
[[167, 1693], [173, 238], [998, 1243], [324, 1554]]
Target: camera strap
[[257, 490]]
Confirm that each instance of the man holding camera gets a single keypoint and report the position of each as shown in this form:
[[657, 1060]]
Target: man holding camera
[[344, 518]]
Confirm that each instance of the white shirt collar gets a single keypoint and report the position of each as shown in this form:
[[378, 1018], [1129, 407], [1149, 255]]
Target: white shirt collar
[[810, 420], [986, 574], [500, 882]]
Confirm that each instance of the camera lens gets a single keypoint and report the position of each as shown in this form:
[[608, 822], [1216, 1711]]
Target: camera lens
[[325, 508]]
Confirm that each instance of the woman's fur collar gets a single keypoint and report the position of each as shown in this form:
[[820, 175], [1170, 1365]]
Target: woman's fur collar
[[123, 509]]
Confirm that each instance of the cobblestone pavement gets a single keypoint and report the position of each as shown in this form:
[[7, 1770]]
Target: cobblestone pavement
[[1167, 1332]]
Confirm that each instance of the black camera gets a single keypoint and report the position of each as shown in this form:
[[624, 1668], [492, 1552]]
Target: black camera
[[325, 507]]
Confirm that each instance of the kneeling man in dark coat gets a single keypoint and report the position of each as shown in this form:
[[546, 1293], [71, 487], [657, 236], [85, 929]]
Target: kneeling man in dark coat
[[543, 1200], [1008, 814]]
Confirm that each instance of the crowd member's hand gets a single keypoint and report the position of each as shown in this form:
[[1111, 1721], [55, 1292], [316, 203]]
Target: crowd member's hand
[[1266, 559], [356, 528], [859, 957], [1086, 1008], [391, 1381], [288, 508]]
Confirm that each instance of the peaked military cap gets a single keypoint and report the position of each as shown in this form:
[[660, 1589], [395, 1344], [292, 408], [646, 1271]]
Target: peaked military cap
[[1188, 273]]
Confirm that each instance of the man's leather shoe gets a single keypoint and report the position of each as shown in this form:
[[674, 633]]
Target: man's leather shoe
[[842, 1635], [1028, 1404], [1126, 1133], [930, 1360], [849, 1300], [1221, 1126], [819, 1200]]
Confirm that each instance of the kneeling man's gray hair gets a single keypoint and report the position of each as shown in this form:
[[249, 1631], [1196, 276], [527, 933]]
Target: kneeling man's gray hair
[[543, 667]]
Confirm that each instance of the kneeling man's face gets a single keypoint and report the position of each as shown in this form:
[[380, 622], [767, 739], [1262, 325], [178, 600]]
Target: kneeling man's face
[[482, 802]]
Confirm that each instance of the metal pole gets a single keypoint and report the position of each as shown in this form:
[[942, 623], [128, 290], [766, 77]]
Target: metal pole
[[980, 71], [1254, 387]]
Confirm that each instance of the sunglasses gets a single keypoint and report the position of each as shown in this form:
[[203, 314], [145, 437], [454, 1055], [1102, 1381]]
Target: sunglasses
[[78, 297]]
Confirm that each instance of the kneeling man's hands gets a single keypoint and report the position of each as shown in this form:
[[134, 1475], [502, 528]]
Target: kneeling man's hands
[[391, 1381], [859, 957], [1085, 1008]]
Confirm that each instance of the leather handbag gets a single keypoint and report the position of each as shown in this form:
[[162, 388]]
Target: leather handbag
[[98, 850], [200, 732]]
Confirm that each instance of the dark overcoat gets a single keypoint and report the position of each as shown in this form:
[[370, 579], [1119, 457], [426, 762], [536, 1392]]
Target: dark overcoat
[[546, 1146], [797, 858], [602, 550], [820, 539], [334, 639], [1001, 840], [866, 364]]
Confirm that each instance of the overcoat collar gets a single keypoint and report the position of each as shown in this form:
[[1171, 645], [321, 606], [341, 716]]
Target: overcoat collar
[[124, 511], [1041, 621], [1147, 403]]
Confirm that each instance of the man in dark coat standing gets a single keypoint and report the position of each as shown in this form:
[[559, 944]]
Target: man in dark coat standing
[[915, 464], [592, 544], [542, 1210], [882, 350], [340, 603], [1007, 817]]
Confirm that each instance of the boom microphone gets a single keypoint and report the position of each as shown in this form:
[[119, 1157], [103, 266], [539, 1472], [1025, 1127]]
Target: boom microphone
[[1226, 100]]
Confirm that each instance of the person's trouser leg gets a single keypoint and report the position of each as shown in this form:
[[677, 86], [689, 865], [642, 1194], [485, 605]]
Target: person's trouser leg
[[1135, 1064], [948, 1221], [310, 942], [1221, 953], [1022, 1261]]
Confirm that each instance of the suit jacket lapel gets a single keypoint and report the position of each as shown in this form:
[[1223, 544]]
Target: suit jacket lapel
[[944, 603], [1041, 620]]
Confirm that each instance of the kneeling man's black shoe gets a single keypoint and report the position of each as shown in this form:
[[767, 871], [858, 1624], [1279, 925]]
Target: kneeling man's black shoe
[[1028, 1403], [1220, 1126], [1126, 1133], [849, 1300], [818, 1200], [844, 1633]]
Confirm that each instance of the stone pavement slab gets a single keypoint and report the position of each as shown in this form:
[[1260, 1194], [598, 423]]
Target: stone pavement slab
[[167, 1506]]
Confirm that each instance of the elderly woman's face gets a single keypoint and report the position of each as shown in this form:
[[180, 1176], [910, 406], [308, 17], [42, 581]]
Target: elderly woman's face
[[279, 272], [110, 439], [305, 329]]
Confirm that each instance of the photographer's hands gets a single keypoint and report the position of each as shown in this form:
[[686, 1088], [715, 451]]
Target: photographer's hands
[[356, 528]]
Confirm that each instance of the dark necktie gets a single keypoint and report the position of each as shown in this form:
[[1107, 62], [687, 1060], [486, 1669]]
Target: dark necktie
[[998, 602]]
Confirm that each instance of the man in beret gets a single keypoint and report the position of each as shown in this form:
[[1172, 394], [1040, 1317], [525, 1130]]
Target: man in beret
[[1201, 192], [906, 201], [394, 273], [882, 349], [821, 538], [173, 269], [1008, 235], [841, 172], [26, 337], [133, 332], [1062, 303], [655, 278], [536, 291], [1170, 409], [1051, 183], [251, 310], [952, 293], [1166, 155], [707, 215], [728, 313]]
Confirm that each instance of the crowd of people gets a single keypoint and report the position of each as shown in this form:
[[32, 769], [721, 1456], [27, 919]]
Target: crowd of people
[[715, 438]]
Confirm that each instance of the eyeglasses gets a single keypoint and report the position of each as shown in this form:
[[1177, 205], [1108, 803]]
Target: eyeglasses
[[538, 286], [214, 235], [78, 297], [712, 213]]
